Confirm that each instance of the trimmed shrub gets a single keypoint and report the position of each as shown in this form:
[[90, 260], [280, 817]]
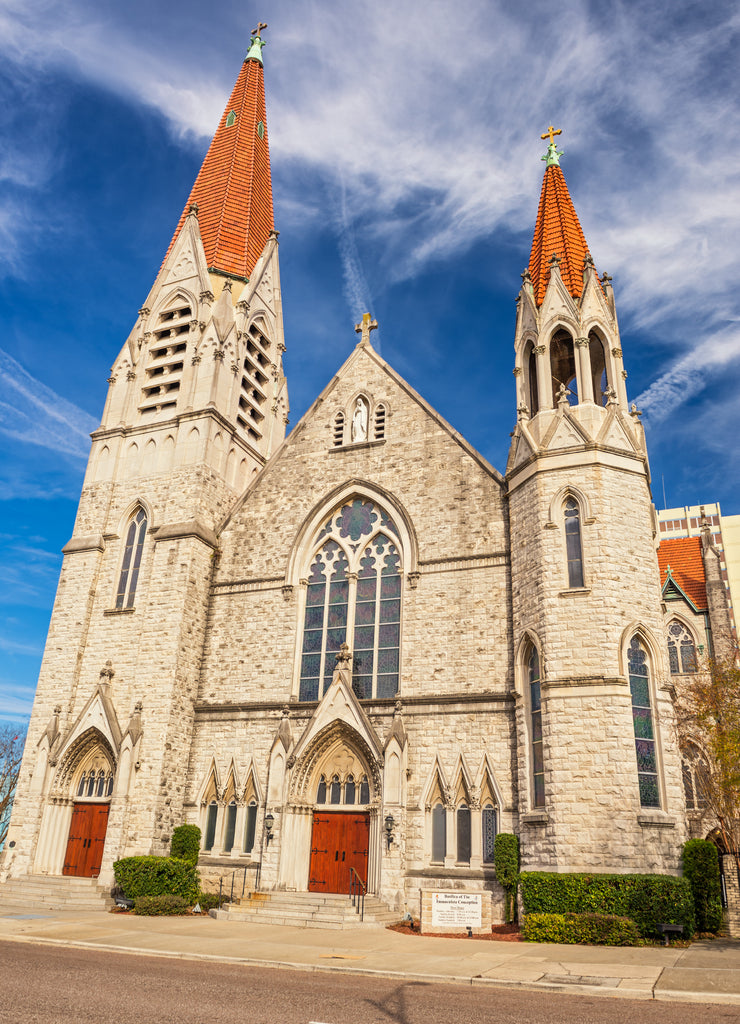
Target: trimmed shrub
[[155, 876], [585, 929], [207, 901], [185, 843], [701, 868], [506, 865], [648, 900], [167, 903]]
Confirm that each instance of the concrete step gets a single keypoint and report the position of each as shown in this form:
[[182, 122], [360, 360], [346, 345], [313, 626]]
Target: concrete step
[[54, 892], [307, 909]]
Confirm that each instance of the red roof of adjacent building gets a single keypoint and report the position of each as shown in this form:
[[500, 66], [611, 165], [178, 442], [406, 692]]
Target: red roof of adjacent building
[[233, 189], [683, 555], [557, 232]]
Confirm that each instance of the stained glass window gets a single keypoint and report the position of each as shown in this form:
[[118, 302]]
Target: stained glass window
[[321, 792], [439, 833], [364, 790], [573, 543], [335, 791], [230, 827], [642, 717], [251, 826], [354, 596], [681, 649], [695, 778], [535, 714], [349, 791], [131, 560], [488, 823], [463, 835]]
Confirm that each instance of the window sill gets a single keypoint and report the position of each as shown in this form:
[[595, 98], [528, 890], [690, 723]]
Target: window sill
[[655, 819], [439, 871], [535, 818], [356, 445], [119, 611], [575, 591]]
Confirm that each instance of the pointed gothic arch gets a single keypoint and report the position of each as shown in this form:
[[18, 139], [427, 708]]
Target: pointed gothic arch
[[338, 750]]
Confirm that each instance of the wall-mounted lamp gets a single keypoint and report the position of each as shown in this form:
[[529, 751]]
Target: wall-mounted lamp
[[269, 822], [389, 825]]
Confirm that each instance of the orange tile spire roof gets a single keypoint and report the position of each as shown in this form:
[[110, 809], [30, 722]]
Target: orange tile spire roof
[[683, 556], [557, 232], [233, 190]]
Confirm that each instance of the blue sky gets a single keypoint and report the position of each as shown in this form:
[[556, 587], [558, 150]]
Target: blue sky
[[406, 173]]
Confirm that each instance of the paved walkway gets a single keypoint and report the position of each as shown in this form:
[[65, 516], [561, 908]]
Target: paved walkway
[[706, 972]]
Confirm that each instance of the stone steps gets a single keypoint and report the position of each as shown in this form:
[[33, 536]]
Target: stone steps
[[54, 892], [307, 910]]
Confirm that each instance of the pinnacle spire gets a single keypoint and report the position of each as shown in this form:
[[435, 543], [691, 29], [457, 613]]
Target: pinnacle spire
[[233, 190], [557, 232]]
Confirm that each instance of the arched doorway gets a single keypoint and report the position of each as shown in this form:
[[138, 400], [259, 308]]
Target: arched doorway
[[87, 777]]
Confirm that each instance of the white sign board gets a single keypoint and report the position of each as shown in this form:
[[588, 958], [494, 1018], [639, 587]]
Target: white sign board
[[458, 909]]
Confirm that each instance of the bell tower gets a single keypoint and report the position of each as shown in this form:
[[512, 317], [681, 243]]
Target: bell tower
[[599, 771], [197, 403]]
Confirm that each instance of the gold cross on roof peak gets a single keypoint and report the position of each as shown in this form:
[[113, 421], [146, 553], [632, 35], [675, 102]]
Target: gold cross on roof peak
[[551, 133], [258, 32]]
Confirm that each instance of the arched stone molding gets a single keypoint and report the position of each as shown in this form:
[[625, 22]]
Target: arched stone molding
[[264, 321], [355, 488], [555, 511], [125, 518], [436, 786], [91, 746], [485, 778], [210, 786], [337, 749], [529, 636], [463, 785], [654, 649], [178, 295]]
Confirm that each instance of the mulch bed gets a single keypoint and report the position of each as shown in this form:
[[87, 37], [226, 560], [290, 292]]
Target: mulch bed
[[499, 933]]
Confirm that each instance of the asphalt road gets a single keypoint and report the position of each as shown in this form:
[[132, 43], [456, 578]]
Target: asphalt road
[[56, 985]]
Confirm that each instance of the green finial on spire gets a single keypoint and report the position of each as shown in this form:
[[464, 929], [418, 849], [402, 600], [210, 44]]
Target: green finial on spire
[[553, 154], [255, 50]]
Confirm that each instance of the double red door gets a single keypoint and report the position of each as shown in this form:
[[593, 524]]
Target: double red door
[[86, 840], [339, 842]]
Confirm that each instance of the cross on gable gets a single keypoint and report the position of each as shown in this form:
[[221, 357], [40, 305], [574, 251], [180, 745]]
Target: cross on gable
[[551, 133], [364, 328], [257, 31]]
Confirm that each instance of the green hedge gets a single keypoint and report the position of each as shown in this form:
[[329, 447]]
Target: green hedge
[[506, 865], [648, 900], [586, 929], [155, 876], [701, 868], [186, 843], [167, 903]]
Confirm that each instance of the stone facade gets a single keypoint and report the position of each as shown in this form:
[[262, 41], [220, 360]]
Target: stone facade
[[179, 660]]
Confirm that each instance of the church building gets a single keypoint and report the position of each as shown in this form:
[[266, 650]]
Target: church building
[[358, 650]]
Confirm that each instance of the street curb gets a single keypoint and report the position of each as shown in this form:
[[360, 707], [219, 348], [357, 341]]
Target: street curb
[[644, 995]]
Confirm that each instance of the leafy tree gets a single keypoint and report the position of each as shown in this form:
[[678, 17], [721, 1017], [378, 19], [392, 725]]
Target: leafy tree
[[11, 751], [708, 716]]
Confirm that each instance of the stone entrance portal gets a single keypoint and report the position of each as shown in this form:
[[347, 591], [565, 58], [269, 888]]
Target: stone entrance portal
[[86, 840], [339, 842]]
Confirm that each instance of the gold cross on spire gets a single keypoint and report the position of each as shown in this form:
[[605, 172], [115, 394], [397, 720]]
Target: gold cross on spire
[[364, 328], [551, 133], [262, 24]]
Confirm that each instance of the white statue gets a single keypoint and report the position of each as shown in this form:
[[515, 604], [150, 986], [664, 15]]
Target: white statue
[[359, 420]]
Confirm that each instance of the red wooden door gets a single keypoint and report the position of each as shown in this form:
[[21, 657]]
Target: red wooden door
[[339, 841], [86, 840]]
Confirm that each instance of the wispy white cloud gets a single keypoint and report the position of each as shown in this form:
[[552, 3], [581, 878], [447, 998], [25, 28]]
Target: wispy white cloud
[[33, 413]]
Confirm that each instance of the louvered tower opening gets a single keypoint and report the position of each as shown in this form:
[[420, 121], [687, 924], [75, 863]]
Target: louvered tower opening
[[255, 383], [166, 360]]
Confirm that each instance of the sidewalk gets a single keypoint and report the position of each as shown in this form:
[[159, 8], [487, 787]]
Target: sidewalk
[[706, 972]]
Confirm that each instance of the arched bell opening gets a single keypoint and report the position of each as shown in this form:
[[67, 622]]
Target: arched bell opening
[[598, 363], [531, 390], [563, 367]]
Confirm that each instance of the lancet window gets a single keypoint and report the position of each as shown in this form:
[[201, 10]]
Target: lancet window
[[488, 832], [532, 663], [134, 546], [642, 717], [350, 793], [695, 777], [353, 596], [573, 547], [166, 358], [563, 367], [681, 649], [597, 357]]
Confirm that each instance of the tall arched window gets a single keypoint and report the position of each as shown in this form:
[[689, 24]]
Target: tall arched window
[[535, 725], [354, 596], [488, 832], [597, 358], [463, 835], [530, 367], [695, 777], [642, 717], [573, 547], [439, 833], [210, 835], [250, 826], [131, 560], [681, 649]]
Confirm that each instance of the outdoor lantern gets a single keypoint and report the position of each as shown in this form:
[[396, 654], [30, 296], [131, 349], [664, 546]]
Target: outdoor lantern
[[269, 822], [389, 823]]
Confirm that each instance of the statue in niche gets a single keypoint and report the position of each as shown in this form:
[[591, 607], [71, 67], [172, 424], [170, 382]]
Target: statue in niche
[[359, 420]]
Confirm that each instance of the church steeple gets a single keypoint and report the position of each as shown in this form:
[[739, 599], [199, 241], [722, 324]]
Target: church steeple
[[233, 190], [557, 231]]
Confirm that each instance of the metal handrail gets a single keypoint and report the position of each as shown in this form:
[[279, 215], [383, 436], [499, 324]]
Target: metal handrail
[[221, 885], [357, 890]]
